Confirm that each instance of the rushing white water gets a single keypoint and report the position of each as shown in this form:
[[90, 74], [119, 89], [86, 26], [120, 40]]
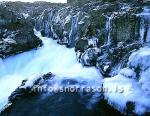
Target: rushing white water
[[51, 57]]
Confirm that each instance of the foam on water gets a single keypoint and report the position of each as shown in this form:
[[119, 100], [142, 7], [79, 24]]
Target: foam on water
[[51, 57]]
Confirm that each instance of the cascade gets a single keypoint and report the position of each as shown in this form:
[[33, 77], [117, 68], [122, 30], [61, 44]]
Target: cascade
[[74, 27], [145, 26], [51, 57], [108, 29]]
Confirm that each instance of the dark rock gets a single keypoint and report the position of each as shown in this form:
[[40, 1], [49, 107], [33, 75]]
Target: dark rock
[[81, 45], [17, 21], [24, 100], [24, 91], [17, 33], [89, 58], [130, 108]]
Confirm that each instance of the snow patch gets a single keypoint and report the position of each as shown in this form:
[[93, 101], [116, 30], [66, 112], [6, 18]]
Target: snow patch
[[141, 59], [128, 90], [127, 72], [25, 15], [133, 90]]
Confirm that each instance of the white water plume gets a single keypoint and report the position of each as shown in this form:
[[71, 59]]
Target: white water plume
[[51, 57]]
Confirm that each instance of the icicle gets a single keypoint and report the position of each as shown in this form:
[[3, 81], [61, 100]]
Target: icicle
[[145, 26], [74, 27], [142, 30], [109, 28]]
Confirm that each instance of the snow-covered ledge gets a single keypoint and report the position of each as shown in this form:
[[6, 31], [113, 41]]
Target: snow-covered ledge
[[128, 87]]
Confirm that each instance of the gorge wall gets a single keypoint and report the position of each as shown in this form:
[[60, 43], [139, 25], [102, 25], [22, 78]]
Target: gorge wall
[[17, 22], [103, 33]]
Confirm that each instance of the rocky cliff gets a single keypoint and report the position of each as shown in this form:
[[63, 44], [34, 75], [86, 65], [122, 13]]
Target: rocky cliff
[[103, 33], [17, 22]]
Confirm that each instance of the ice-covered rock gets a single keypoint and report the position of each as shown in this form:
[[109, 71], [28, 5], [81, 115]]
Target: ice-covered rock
[[145, 81], [140, 60], [127, 72], [122, 90], [9, 40], [134, 90], [93, 42], [25, 15], [89, 58], [16, 31]]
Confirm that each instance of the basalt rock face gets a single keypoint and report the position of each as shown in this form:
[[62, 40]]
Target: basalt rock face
[[16, 32], [87, 1], [103, 33], [17, 22]]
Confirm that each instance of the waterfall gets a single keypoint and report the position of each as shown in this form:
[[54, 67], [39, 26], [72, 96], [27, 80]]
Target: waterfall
[[108, 29], [142, 31], [51, 57], [73, 32], [54, 25], [145, 26]]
